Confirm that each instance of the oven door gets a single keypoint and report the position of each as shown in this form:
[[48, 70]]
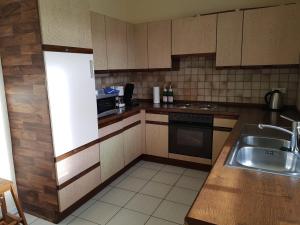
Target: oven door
[[190, 139]]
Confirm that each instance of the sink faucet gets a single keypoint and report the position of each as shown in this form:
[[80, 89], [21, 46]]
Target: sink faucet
[[295, 134]]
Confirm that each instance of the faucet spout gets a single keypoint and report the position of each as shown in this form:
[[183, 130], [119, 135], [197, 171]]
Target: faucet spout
[[262, 126], [295, 134]]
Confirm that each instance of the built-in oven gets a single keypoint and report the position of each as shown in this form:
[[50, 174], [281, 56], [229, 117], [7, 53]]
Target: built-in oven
[[191, 134], [106, 104]]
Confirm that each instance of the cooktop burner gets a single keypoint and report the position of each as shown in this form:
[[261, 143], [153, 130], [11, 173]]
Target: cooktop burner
[[201, 106]]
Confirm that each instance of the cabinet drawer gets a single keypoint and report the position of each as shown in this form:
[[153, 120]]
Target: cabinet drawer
[[157, 117], [222, 122], [75, 164], [78, 189]]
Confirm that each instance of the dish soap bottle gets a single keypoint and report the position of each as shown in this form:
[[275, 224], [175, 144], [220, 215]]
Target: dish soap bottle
[[165, 95], [170, 95]]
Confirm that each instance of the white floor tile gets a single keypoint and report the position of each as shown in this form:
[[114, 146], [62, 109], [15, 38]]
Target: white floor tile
[[132, 184], [128, 217], [140, 163], [131, 170], [84, 207], [143, 173], [143, 203], [102, 193], [153, 165], [30, 218], [182, 195], [190, 183], [44, 222], [79, 221], [156, 221], [172, 212], [117, 196], [173, 169], [196, 173], [118, 180], [100, 213], [166, 178], [156, 189]]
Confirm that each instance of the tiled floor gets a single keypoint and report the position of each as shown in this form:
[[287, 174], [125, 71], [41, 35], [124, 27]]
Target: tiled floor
[[147, 194]]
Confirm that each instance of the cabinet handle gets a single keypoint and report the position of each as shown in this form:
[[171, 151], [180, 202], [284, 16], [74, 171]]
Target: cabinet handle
[[92, 69]]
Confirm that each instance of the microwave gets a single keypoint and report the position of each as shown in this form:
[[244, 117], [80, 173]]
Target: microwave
[[106, 104]]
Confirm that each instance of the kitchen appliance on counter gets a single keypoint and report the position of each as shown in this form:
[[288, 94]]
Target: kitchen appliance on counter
[[128, 93], [191, 134], [120, 98], [274, 99], [106, 103]]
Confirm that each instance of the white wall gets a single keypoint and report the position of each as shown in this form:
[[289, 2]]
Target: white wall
[[6, 159]]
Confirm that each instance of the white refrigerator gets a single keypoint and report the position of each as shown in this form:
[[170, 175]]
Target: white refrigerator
[[72, 100]]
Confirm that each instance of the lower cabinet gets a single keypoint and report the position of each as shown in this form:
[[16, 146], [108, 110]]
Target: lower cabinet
[[219, 138], [157, 140], [78, 189], [111, 156], [132, 143]]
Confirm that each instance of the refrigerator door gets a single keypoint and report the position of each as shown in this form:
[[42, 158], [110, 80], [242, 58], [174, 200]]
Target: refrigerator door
[[72, 100]]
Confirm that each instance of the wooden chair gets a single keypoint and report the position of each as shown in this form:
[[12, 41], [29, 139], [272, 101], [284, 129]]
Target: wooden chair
[[7, 218]]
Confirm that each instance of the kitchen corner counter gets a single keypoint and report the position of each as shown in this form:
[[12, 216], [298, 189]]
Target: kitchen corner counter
[[237, 196]]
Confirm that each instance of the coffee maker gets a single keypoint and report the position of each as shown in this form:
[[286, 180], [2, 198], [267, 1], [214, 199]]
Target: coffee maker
[[128, 92]]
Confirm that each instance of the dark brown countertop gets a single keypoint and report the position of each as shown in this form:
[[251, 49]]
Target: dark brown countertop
[[237, 196]]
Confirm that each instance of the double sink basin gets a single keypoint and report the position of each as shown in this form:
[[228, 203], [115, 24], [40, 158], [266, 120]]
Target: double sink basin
[[265, 154]]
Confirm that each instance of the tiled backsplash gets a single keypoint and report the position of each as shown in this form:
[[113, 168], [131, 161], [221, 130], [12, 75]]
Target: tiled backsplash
[[199, 79]]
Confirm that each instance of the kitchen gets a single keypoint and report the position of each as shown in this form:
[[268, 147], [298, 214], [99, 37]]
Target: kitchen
[[187, 148]]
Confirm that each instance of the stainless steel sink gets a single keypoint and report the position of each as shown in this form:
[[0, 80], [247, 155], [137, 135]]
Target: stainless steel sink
[[266, 142], [265, 154]]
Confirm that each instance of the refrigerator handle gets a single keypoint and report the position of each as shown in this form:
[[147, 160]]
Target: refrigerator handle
[[92, 69]]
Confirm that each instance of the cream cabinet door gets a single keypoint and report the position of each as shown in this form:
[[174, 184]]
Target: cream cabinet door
[[159, 44], [137, 40], [99, 41], [65, 23], [194, 35], [271, 35], [111, 156], [219, 138], [229, 39], [157, 140], [132, 143], [116, 38]]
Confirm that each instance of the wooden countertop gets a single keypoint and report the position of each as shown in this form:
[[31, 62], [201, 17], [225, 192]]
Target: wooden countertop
[[232, 196], [237, 196]]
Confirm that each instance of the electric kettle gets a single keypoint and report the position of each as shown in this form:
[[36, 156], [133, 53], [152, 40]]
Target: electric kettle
[[273, 99]]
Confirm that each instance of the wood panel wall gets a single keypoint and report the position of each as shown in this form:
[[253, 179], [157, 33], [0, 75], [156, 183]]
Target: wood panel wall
[[24, 78]]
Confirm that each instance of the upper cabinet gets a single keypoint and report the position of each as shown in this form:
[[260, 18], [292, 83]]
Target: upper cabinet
[[99, 41], [271, 36], [137, 40], [116, 39], [229, 39], [194, 35], [65, 23], [159, 44]]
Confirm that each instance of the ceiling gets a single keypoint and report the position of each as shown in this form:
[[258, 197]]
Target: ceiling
[[137, 11]]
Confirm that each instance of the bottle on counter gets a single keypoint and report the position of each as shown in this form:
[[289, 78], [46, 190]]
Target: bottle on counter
[[170, 95], [165, 95]]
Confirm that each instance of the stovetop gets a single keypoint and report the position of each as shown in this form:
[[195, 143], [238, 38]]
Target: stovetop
[[200, 106]]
